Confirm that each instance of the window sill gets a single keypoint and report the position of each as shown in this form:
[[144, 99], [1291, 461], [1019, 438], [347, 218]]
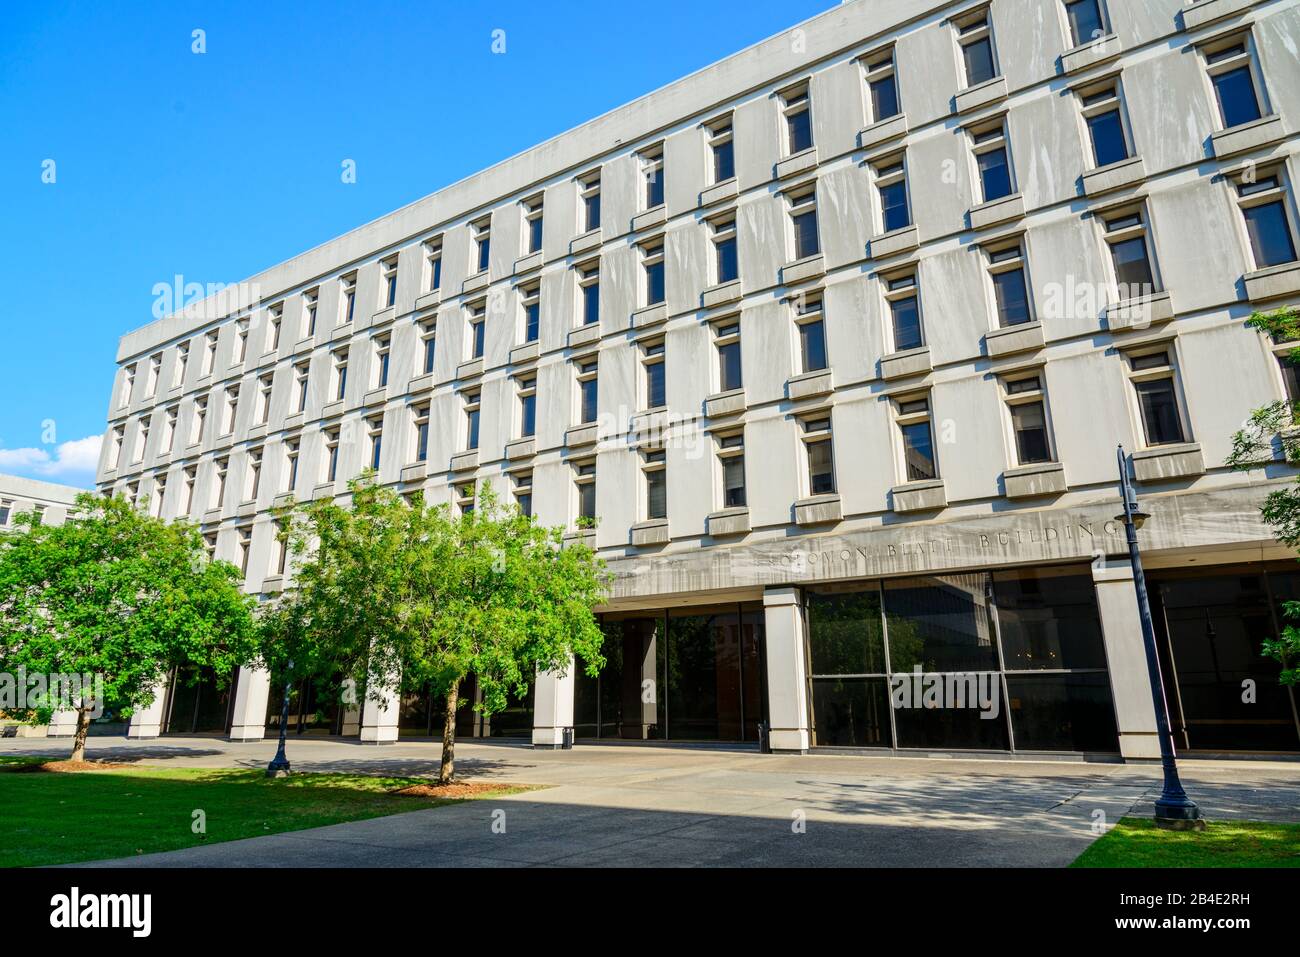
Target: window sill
[[802, 270], [1165, 462], [650, 316], [1208, 11], [581, 435], [421, 383], [721, 294], [584, 335], [810, 385], [1034, 481], [1247, 136], [1141, 312], [720, 192], [304, 345], [282, 500], [256, 431], [375, 397], [724, 404], [246, 509], [294, 419], [521, 448], [818, 510], [1089, 54], [529, 263], [894, 242], [650, 218], [474, 283], [1272, 282], [585, 536], [883, 132], [986, 93], [898, 365], [927, 496], [383, 317], [997, 211], [415, 473], [1012, 339], [333, 410], [273, 585], [322, 491], [525, 353], [1107, 179], [211, 516], [653, 532], [342, 331], [729, 521], [428, 300], [464, 461], [470, 369], [800, 162], [584, 243]]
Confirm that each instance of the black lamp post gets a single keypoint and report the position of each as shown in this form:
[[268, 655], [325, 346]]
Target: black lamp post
[[279, 766], [1174, 809]]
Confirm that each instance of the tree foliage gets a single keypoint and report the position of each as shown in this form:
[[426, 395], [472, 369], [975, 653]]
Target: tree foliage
[[117, 593], [400, 592], [1269, 434]]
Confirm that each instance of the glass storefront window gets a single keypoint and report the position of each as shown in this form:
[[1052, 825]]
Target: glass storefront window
[[1048, 619], [941, 624], [845, 631]]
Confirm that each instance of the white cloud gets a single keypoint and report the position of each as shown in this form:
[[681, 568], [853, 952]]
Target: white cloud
[[75, 460]]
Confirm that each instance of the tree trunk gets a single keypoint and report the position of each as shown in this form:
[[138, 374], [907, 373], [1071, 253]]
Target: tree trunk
[[79, 740], [448, 770]]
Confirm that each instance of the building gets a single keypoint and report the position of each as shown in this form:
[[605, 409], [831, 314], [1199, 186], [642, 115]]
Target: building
[[49, 501], [836, 339]]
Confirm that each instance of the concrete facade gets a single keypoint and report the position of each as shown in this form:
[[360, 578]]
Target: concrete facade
[[21, 495], [289, 331]]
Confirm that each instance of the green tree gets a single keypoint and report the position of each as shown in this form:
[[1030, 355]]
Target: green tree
[[403, 592], [116, 593], [1271, 431]]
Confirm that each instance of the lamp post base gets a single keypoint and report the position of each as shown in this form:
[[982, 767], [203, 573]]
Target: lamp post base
[[1178, 813], [277, 770], [1183, 824]]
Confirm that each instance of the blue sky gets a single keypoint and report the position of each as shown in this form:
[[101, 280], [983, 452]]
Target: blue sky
[[217, 165]]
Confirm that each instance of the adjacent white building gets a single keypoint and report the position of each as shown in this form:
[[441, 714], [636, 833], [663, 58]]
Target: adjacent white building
[[835, 340], [49, 501]]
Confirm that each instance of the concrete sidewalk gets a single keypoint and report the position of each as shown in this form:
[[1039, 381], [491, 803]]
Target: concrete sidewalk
[[659, 806]]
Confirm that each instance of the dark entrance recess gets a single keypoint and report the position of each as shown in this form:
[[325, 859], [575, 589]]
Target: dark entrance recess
[[196, 703], [1211, 625], [314, 707], [690, 674], [422, 715]]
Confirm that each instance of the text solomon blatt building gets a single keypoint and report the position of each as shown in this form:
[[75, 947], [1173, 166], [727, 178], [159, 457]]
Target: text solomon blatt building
[[835, 339]]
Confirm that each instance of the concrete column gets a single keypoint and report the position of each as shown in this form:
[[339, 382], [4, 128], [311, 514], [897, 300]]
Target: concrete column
[[63, 724], [1126, 658], [147, 722], [553, 706], [379, 719], [787, 671], [252, 689]]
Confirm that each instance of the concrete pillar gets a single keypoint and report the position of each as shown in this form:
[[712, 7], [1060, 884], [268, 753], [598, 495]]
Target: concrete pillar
[[1126, 658], [379, 718], [787, 671], [252, 689], [553, 706], [63, 724], [147, 722]]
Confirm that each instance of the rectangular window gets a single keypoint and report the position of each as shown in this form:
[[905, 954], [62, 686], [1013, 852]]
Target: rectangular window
[[1155, 382], [190, 480], [726, 336], [253, 485], [531, 301], [383, 350], [128, 386], [115, 449], [422, 433], [340, 374], [589, 292], [169, 433], [585, 482], [918, 440], [990, 147], [388, 283], [265, 388], [292, 450], [428, 347], [348, 303], [231, 410], [222, 467], [1010, 292], [477, 326], [588, 371], [6, 507], [796, 108], [331, 455], [1104, 115], [803, 217], [527, 407], [725, 264], [812, 332], [882, 86], [159, 495], [975, 37], [182, 364], [655, 468], [1126, 235], [904, 301], [471, 420], [375, 433], [652, 174], [891, 185], [731, 457], [722, 147], [245, 548], [209, 354], [200, 417], [433, 264], [309, 303], [589, 196], [275, 323], [465, 498], [482, 232], [652, 264], [523, 488], [301, 376], [155, 368], [1264, 207], [653, 361], [817, 440], [533, 224], [142, 439], [1232, 75], [1027, 404], [1086, 23], [241, 341]]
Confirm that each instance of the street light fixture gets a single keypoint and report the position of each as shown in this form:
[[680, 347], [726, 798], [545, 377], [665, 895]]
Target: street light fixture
[[1174, 809], [279, 766]]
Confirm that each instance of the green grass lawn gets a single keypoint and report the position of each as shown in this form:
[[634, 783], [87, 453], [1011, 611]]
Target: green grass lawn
[[1136, 842], [58, 818]]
